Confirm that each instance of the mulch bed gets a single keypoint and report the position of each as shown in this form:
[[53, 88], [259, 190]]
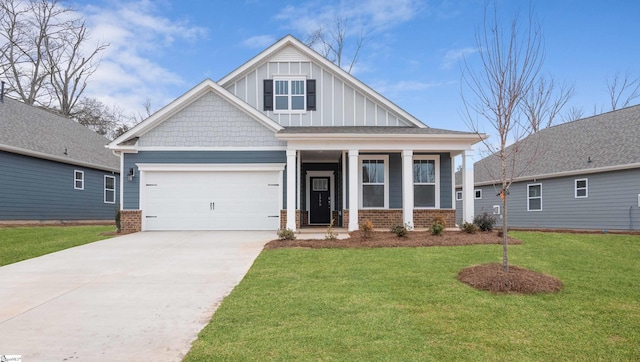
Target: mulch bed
[[388, 239], [490, 277]]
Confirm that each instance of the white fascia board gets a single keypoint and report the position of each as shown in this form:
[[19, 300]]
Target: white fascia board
[[351, 136], [339, 72], [566, 173], [46, 156], [183, 101], [200, 167], [200, 148], [381, 144]]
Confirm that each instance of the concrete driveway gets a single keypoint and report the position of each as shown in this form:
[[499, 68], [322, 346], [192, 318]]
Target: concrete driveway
[[142, 296]]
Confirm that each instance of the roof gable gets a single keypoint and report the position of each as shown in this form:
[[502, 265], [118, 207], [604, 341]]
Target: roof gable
[[290, 49], [182, 102], [37, 132]]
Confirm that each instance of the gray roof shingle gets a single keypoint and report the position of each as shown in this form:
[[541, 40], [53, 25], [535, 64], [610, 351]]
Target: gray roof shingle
[[31, 130], [605, 140]]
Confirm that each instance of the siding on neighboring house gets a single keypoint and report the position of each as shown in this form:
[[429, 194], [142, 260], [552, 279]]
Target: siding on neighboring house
[[38, 189], [612, 202], [132, 188], [210, 120], [338, 102]]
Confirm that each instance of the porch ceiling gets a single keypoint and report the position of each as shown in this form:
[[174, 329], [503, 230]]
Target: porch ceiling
[[320, 156]]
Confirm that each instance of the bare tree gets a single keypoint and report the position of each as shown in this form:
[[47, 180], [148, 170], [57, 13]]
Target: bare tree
[[510, 64], [43, 53], [331, 42], [573, 114], [623, 90], [543, 103], [110, 122]]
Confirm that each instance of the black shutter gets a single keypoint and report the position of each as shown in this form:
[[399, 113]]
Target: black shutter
[[268, 94], [311, 94]]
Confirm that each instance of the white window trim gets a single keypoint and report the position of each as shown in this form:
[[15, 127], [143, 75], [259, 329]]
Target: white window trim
[[475, 194], [106, 189], [458, 195], [576, 188], [289, 95], [436, 160], [385, 159], [530, 198], [75, 179], [496, 209]]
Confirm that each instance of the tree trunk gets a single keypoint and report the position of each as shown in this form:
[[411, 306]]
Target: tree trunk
[[505, 244]]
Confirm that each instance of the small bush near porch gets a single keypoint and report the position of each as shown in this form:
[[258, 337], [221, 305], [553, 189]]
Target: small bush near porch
[[406, 304]]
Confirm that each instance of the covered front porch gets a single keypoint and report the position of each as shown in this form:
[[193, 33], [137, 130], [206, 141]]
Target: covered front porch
[[345, 178]]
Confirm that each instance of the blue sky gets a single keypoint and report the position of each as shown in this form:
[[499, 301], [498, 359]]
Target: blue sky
[[160, 49]]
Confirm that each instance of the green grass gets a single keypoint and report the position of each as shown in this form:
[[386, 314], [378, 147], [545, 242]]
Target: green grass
[[406, 304], [21, 243]]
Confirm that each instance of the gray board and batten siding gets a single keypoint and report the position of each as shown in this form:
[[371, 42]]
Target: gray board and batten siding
[[611, 204], [43, 190], [339, 103], [132, 188]]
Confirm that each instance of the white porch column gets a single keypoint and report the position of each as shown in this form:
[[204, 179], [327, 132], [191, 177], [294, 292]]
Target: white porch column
[[467, 187], [353, 190], [407, 188], [291, 189]]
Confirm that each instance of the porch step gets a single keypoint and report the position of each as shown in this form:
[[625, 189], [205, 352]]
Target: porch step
[[319, 232]]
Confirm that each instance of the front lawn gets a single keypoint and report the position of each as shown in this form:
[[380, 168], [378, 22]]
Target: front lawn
[[21, 243], [406, 304]]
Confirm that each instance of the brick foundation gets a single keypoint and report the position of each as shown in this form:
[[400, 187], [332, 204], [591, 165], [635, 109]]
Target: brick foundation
[[345, 218], [381, 219], [130, 221], [283, 219], [423, 218]]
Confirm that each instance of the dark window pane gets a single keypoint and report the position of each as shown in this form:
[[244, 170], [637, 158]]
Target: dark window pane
[[581, 183], [424, 196], [297, 103], [373, 195], [110, 196], [282, 102], [534, 191], [535, 204], [581, 192], [109, 183]]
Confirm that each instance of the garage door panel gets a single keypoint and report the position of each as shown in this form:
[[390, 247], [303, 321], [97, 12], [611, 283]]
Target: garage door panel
[[235, 200]]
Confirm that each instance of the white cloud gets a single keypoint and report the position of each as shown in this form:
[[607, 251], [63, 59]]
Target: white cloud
[[453, 56], [259, 41], [394, 89], [138, 35]]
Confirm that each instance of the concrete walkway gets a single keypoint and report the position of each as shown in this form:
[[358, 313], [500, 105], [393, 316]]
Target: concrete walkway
[[138, 297]]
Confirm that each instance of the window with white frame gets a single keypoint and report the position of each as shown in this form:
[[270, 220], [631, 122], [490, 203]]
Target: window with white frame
[[374, 187], [534, 197], [425, 181], [289, 95], [109, 190], [458, 195], [496, 209], [78, 180], [478, 194], [582, 188]]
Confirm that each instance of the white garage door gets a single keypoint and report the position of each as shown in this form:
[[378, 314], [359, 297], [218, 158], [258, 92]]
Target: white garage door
[[211, 200]]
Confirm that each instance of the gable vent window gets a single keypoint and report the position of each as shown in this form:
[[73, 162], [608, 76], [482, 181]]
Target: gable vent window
[[289, 95]]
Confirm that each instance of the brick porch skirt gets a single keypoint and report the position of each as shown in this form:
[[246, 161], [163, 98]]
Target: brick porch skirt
[[384, 219], [130, 221]]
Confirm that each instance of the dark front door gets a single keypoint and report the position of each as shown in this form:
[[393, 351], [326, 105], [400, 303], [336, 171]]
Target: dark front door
[[320, 201]]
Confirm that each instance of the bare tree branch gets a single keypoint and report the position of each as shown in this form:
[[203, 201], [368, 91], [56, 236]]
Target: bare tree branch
[[573, 114], [541, 105], [331, 42], [623, 90]]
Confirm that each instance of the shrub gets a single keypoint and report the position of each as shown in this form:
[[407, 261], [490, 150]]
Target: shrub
[[400, 230], [330, 234], [484, 222], [440, 221], [436, 228], [469, 227], [118, 220], [286, 234], [366, 228]]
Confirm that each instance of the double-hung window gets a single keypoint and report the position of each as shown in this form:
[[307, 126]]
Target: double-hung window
[[78, 180], [374, 186], [534, 197], [582, 188], [109, 190], [289, 95], [425, 181]]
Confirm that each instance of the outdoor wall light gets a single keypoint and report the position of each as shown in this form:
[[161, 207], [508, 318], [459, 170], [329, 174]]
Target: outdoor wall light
[[131, 174]]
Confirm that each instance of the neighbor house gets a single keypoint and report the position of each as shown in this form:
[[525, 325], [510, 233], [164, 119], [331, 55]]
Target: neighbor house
[[583, 174], [53, 169], [287, 140]]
